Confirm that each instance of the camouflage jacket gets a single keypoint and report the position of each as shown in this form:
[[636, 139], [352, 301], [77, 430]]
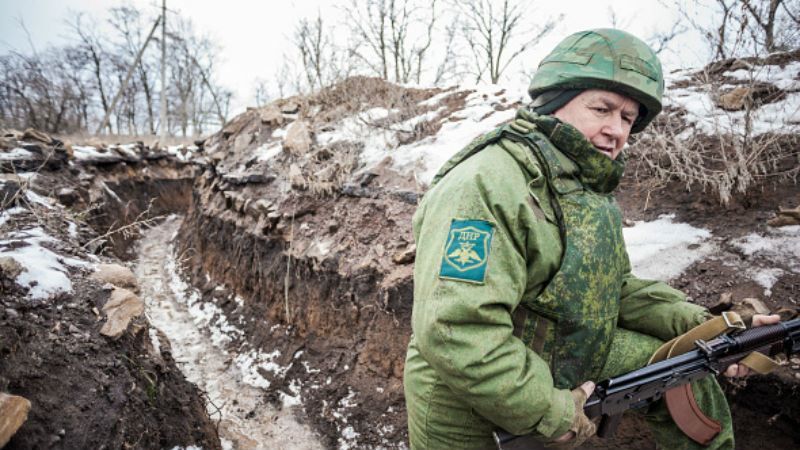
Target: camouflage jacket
[[466, 366]]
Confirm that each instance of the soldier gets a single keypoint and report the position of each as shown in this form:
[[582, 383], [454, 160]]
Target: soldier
[[522, 286]]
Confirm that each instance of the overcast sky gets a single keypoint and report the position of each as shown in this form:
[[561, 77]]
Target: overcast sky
[[254, 34]]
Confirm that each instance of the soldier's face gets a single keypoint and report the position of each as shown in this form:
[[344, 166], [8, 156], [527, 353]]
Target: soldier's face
[[605, 118]]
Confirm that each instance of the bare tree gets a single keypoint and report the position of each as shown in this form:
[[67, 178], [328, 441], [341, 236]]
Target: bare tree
[[765, 19], [319, 55], [745, 27], [90, 45], [66, 88], [128, 22], [660, 39], [616, 21], [496, 38], [392, 38]]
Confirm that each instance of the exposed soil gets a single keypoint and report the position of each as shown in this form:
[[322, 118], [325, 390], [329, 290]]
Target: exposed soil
[[87, 391], [244, 417], [318, 279]]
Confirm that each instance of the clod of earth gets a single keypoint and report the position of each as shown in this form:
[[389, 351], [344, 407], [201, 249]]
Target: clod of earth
[[13, 413], [121, 308], [785, 217], [119, 276]]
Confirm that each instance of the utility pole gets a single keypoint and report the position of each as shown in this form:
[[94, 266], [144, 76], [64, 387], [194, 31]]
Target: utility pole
[[164, 126]]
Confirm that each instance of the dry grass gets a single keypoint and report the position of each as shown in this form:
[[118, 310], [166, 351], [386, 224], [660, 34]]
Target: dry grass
[[727, 163]]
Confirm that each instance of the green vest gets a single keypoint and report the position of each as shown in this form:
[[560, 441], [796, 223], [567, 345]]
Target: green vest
[[570, 324]]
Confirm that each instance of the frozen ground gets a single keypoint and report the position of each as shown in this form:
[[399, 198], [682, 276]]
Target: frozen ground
[[246, 420]]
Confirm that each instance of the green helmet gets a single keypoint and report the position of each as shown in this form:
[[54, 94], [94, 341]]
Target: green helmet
[[605, 59]]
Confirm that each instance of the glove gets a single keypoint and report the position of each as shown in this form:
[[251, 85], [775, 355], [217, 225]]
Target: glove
[[582, 428]]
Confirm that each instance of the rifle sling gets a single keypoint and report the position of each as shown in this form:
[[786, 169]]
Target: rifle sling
[[680, 401]]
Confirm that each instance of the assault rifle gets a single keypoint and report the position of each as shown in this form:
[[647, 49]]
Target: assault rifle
[[639, 388]]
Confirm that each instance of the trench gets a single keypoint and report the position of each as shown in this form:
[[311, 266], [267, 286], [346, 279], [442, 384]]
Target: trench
[[245, 419], [339, 357]]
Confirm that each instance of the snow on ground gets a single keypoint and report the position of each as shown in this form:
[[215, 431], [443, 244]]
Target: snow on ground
[[425, 157], [183, 152], [776, 247], [199, 334], [422, 158], [16, 153], [783, 115], [663, 249], [45, 272], [90, 152]]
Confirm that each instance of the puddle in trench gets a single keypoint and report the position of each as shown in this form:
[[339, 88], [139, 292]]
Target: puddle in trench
[[246, 419]]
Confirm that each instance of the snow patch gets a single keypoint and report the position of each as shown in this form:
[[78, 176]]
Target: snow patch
[[268, 151], [663, 249], [704, 115], [16, 153], [5, 215], [479, 116], [766, 278], [44, 271]]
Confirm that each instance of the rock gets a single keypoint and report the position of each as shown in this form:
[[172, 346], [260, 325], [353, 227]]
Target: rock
[[36, 135], [123, 306], [724, 303], [298, 138], [296, 177], [67, 196], [261, 206], [406, 256], [733, 100], [12, 134], [242, 142], [69, 151], [290, 107], [10, 268], [785, 217], [13, 413], [271, 115], [752, 95], [757, 305], [119, 276]]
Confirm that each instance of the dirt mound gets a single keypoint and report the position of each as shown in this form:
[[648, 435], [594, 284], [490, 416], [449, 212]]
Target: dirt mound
[[323, 271], [298, 245], [87, 390]]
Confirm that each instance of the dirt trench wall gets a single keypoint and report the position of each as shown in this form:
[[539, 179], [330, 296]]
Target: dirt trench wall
[[349, 306], [88, 390], [124, 194]]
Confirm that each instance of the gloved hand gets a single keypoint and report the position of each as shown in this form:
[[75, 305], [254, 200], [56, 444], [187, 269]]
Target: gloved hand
[[582, 428]]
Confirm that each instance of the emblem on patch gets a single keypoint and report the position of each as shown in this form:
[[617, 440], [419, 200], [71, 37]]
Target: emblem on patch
[[467, 251]]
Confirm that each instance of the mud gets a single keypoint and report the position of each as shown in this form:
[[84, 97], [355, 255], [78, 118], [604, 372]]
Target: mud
[[314, 288], [349, 321], [243, 416], [87, 391]]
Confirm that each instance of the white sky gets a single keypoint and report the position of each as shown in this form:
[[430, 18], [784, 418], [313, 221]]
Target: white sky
[[254, 34]]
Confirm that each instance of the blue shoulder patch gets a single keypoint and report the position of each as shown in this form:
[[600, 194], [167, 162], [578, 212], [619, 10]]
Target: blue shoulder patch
[[466, 253]]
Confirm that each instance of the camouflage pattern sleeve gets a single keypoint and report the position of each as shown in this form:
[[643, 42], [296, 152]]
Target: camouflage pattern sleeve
[[462, 320], [654, 308]]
